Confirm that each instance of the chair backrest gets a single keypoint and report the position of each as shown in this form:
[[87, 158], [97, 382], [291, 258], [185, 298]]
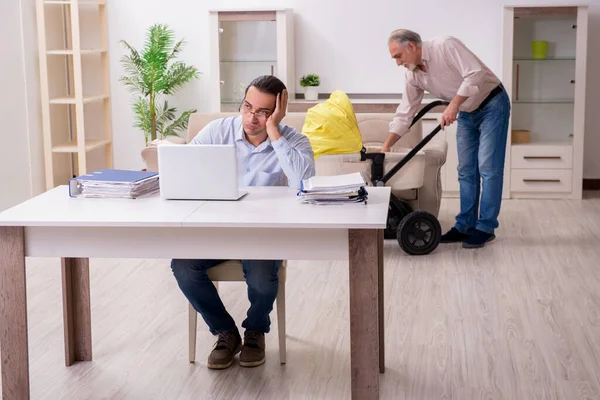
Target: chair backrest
[[150, 155], [374, 127]]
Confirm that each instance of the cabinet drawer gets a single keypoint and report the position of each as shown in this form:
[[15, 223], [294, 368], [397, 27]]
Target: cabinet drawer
[[540, 180], [542, 156]]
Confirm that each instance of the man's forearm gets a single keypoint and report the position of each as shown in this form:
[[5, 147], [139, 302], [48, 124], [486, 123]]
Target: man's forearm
[[450, 113], [273, 133], [390, 141], [458, 100], [296, 160]]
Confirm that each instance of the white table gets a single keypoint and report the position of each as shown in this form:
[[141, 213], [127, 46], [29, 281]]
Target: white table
[[268, 223]]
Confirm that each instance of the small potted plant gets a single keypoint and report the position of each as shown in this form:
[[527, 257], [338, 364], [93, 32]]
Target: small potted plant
[[310, 83]]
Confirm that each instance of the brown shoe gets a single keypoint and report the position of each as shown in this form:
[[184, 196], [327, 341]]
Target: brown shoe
[[227, 346], [253, 351]]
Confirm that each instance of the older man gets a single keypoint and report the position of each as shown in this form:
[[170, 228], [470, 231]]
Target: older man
[[447, 69]]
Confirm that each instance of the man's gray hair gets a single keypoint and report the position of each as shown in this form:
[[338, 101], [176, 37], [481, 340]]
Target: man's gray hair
[[404, 36]]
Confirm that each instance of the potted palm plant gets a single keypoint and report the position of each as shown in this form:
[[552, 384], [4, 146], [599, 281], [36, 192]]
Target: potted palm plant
[[310, 83], [152, 75]]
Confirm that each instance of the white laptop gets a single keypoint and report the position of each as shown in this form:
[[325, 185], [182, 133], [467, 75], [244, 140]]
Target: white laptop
[[198, 172]]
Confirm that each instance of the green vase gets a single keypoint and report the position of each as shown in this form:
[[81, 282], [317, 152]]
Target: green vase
[[539, 49]]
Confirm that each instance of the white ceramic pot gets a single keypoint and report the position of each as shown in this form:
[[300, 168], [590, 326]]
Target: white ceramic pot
[[311, 92]]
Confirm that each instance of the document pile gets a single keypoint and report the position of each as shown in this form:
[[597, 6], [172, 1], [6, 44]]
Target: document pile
[[336, 189], [115, 183]]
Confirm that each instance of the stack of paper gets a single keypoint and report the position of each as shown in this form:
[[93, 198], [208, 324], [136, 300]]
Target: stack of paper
[[114, 183], [336, 189]]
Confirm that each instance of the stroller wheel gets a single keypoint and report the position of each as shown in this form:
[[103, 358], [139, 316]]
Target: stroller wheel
[[397, 211], [392, 227], [419, 233]]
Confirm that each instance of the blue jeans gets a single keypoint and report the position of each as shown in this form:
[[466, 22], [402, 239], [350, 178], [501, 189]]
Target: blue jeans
[[481, 143], [261, 278]]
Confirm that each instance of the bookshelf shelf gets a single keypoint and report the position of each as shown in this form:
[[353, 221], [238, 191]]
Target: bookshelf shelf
[[64, 27]]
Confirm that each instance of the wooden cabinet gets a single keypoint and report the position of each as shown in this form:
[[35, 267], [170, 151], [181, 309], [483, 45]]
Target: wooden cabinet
[[542, 156], [544, 71], [541, 180], [247, 43]]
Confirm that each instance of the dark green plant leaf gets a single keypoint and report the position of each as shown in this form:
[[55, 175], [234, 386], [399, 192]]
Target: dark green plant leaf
[[178, 125], [142, 119]]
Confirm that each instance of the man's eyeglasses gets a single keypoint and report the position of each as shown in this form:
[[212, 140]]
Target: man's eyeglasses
[[260, 114]]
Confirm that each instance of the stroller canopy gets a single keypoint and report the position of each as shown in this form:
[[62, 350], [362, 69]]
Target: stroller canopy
[[331, 126]]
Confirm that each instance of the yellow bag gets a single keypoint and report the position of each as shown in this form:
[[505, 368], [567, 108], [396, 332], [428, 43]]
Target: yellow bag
[[331, 126]]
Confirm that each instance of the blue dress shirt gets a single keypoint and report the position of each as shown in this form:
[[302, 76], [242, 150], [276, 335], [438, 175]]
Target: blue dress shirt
[[285, 161]]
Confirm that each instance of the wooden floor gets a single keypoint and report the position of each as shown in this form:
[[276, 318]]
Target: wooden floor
[[519, 319]]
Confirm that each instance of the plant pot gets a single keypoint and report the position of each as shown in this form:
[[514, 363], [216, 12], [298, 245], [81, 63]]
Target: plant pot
[[150, 153], [311, 93]]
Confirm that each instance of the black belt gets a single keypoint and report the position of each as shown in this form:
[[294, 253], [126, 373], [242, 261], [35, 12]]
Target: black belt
[[497, 90]]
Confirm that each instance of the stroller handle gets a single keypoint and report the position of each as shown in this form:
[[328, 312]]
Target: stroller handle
[[426, 109], [418, 147]]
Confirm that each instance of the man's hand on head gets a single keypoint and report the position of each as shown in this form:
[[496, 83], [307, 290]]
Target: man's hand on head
[[275, 118]]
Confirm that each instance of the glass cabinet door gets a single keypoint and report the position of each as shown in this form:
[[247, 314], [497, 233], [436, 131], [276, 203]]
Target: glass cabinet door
[[247, 49], [544, 77]]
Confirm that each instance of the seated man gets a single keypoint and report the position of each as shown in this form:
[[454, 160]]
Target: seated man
[[269, 154]]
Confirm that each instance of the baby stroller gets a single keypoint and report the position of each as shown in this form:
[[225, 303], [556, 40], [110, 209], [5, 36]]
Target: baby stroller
[[417, 232]]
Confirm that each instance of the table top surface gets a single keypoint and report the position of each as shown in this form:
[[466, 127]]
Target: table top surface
[[262, 207]]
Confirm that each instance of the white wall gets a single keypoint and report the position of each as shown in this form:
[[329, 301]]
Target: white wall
[[34, 113], [345, 45], [21, 162]]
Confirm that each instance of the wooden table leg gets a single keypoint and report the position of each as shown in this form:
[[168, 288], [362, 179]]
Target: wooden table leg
[[380, 304], [13, 314], [364, 313], [76, 309]]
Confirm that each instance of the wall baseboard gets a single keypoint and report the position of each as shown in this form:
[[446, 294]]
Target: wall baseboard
[[591, 184]]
